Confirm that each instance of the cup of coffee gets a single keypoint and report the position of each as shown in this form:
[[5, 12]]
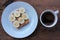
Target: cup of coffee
[[49, 18]]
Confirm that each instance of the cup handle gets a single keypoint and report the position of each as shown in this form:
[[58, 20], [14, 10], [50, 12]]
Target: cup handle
[[56, 12]]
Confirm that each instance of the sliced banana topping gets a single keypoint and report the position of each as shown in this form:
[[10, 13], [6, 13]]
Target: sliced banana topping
[[20, 20], [17, 14], [21, 10], [12, 18], [12, 14], [24, 16], [16, 24], [18, 17]]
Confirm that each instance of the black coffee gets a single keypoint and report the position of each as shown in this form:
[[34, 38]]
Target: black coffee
[[48, 18]]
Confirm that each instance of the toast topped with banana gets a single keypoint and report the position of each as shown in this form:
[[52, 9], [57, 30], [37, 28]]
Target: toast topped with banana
[[19, 17]]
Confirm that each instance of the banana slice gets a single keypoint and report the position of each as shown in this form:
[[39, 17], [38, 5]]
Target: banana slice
[[21, 10], [24, 16], [12, 18], [20, 20], [16, 24], [17, 14]]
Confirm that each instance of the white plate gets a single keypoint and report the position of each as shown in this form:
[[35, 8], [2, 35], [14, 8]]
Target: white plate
[[24, 31]]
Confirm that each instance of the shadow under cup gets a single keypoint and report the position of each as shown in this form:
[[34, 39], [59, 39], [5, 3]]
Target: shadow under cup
[[48, 18]]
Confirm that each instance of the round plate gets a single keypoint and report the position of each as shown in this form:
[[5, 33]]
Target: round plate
[[27, 29]]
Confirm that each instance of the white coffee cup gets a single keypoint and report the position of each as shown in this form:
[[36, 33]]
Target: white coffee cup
[[55, 17]]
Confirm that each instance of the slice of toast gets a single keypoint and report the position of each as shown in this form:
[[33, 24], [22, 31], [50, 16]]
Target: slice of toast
[[19, 18]]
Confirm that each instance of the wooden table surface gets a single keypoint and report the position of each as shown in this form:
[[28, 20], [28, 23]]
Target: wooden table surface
[[41, 33]]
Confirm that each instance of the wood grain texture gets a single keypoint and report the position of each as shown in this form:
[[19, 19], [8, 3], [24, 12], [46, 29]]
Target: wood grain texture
[[41, 33]]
